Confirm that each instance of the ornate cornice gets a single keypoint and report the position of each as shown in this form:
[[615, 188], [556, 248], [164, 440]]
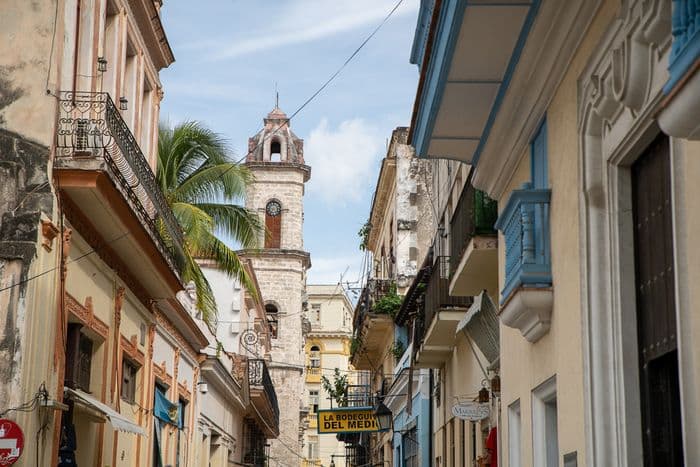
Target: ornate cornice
[[86, 315], [130, 348]]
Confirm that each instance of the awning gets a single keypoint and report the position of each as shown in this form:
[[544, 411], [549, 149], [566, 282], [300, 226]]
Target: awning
[[481, 323], [117, 420]]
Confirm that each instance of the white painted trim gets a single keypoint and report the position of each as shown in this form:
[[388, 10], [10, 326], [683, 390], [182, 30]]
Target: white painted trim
[[619, 95], [687, 348], [541, 440], [541, 68], [515, 441]]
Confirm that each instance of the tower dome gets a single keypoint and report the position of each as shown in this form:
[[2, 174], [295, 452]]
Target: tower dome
[[276, 142]]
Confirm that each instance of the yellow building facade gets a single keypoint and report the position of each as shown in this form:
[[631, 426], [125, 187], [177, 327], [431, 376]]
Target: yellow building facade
[[326, 349], [587, 143]]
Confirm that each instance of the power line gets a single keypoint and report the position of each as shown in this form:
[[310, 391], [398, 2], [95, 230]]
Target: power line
[[43, 273], [330, 79]]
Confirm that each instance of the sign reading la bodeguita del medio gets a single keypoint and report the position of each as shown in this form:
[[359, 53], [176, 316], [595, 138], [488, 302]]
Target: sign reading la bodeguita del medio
[[347, 420]]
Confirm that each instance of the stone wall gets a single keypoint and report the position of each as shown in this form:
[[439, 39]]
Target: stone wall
[[282, 279]]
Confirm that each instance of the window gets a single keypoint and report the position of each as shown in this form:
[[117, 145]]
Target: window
[[410, 448], [316, 313], [273, 224], [275, 151], [272, 320], [545, 440], [313, 400], [315, 357], [514, 450], [538, 158], [313, 447], [78, 358], [181, 439], [129, 373]]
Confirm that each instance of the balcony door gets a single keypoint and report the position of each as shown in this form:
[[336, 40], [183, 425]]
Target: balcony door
[[656, 307]]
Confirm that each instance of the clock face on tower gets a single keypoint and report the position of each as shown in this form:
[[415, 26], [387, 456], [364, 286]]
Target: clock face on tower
[[273, 208]]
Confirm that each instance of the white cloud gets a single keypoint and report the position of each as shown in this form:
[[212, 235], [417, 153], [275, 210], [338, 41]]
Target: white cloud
[[342, 160], [305, 21]]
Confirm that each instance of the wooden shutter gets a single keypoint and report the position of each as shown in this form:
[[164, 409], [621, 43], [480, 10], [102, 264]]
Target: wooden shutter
[[274, 229]]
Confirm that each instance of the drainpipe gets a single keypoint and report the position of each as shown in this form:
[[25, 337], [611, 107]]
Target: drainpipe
[[77, 46]]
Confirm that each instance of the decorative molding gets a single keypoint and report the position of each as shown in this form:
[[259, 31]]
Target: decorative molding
[[183, 392], [130, 348], [86, 315], [530, 311], [620, 92], [165, 323], [49, 231], [556, 34], [102, 248]]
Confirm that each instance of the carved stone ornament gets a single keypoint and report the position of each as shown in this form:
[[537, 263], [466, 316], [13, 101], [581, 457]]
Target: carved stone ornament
[[620, 93], [49, 231], [86, 315]]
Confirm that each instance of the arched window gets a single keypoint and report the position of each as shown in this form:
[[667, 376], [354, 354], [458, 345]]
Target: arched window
[[273, 223], [275, 151], [315, 357], [272, 319]]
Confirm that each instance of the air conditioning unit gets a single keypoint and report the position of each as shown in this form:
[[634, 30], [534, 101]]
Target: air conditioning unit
[[235, 327]]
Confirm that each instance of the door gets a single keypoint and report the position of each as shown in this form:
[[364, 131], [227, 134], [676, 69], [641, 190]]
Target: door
[[656, 308]]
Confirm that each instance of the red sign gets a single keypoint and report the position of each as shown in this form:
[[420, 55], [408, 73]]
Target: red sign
[[11, 442]]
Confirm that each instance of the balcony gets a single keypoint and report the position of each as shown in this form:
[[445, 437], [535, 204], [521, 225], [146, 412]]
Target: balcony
[[110, 189], [679, 117], [442, 312], [372, 329], [526, 297], [473, 244], [263, 397], [313, 374]]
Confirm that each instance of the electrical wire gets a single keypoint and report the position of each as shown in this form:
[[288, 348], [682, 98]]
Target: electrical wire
[[328, 81], [43, 273]]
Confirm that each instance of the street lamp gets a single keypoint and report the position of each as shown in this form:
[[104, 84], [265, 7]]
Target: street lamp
[[383, 416]]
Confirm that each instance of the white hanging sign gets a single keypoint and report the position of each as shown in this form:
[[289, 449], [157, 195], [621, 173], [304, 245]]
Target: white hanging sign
[[472, 411]]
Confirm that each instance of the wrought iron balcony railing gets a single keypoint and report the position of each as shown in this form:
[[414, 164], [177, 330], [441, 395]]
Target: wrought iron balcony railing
[[91, 128], [371, 293], [258, 375], [476, 214], [525, 226], [437, 291], [685, 51]]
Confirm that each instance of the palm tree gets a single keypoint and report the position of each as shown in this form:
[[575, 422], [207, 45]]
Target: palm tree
[[201, 183]]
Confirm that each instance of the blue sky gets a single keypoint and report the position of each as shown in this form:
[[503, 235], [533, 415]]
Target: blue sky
[[229, 55]]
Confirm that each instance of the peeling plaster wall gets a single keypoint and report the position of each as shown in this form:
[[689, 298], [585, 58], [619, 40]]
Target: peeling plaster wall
[[27, 117]]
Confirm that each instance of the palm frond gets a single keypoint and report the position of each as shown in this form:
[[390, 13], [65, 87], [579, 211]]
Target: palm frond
[[210, 247], [212, 182], [238, 223]]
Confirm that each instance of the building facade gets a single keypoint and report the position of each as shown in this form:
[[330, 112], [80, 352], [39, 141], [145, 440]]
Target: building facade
[[276, 159], [578, 124], [100, 351], [327, 348], [239, 413], [397, 238]]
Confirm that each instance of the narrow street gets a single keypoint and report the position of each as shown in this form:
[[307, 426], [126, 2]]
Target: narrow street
[[308, 233]]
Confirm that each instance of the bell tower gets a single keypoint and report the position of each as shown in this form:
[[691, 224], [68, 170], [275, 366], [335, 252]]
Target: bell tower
[[276, 159]]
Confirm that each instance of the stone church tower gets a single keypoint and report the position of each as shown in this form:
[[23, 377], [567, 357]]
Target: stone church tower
[[276, 159]]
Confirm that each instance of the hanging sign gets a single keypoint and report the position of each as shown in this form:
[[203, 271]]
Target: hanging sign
[[351, 420], [11, 442], [472, 411]]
